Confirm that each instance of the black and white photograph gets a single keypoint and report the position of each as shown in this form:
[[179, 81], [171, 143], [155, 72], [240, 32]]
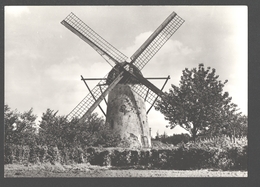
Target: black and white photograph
[[125, 91]]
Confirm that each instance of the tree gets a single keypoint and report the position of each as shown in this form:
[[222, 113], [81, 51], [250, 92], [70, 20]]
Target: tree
[[157, 137], [236, 126], [51, 128], [241, 127], [176, 139], [198, 104], [92, 132], [19, 127], [58, 131], [25, 127], [10, 117], [164, 135]]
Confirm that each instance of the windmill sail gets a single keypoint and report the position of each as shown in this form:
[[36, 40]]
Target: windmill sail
[[152, 45], [93, 99], [145, 88], [149, 48], [105, 49]]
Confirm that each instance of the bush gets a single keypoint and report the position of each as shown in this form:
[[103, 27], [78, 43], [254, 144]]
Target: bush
[[33, 154], [91, 155], [214, 153], [144, 157], [164, 158], [8, 155], [134, 157], [121, 158], [217, 152], [105, 158], [65, 156]]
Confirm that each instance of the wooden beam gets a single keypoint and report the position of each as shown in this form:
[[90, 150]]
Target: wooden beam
[[93, 95], [102, 96], [157, 96]]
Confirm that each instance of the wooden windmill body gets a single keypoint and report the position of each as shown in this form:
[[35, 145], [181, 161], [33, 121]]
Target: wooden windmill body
[[125, 85]]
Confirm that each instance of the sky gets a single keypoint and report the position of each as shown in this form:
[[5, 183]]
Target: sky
[[44, 60]]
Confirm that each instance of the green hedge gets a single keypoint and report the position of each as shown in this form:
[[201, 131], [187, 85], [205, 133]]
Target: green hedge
[[186, 156]]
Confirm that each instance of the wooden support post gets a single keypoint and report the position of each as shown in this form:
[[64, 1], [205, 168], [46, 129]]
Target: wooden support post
[[146, 95], [102, 92], [93, 95], [102, 96], [157, 96]]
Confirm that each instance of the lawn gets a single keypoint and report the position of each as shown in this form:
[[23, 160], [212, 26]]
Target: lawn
[[87, 170]]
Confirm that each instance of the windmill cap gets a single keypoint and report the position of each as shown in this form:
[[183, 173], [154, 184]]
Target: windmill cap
[[118, 68]]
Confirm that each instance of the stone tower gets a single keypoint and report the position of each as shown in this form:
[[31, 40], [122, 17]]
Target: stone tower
[[126, 115]]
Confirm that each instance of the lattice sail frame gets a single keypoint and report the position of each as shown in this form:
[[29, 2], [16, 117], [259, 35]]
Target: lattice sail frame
[[144, 92], [150, 47], [77, 26], [87, 102], [156, 40], [84, 106]]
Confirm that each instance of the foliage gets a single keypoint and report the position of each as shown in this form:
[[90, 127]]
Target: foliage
[[236, 126], [176, 139], [51, 128], [10, 117], [220, 142], [57, 131], [157, 144], [171, 140], [19, 127], [106, 137], [223, 152], [198, 104], [215, 153], [60, 141]]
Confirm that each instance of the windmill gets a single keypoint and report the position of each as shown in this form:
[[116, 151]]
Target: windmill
[[125, 85]]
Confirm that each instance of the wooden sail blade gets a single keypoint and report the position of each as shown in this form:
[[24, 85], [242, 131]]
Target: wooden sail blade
[[142, 88], [152, 45], [105, 49], [93, 99]]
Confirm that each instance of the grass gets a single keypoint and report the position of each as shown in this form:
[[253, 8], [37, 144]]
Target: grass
[[87, 170]]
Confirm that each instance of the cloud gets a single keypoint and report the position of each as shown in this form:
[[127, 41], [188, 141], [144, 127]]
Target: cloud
[[138, 41], [171, 46], [63, 83], [171, 59], [17, 10]]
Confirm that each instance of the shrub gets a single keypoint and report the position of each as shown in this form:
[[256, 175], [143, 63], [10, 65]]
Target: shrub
[[91, 155], [144, 157], [121, 158], [44, 156], [215, 153], [8, 154], [65, 156], [164, 158], [33, 154], [105, 158], [134, 157], [154, 158]]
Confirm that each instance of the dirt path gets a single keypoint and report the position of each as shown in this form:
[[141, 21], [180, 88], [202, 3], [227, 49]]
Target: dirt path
[[96, 171]]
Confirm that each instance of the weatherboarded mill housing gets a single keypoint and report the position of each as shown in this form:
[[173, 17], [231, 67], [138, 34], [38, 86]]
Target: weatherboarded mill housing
[[126, 87]]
